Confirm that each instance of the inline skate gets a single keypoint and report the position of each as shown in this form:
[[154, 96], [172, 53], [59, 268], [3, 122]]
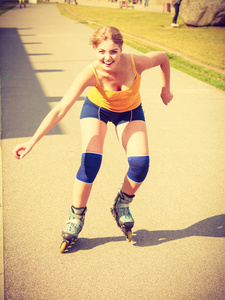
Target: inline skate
[[122, 215], [73, 228]]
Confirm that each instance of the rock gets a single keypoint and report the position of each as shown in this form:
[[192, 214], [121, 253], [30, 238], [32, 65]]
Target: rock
[[203, 12]]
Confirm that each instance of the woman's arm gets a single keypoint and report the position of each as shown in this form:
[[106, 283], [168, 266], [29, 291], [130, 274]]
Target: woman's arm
[[83, 80], [151, 60]]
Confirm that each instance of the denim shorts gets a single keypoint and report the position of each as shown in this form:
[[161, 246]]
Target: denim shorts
[[91, 110]]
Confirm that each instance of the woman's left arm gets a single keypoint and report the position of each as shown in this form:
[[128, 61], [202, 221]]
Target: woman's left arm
[[151, 60]]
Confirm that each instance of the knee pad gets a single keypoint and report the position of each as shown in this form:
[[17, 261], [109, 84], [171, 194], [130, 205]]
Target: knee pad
[[90, 165], [138, 168]]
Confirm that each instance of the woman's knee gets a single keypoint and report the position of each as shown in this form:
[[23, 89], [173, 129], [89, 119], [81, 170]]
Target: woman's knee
[[90, 165], [138, 168]]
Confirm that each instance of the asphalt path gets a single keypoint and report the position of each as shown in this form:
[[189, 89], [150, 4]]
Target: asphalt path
[[178, 245]]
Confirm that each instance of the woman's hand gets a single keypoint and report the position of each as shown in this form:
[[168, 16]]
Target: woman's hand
[[25, 148], [166, 96]]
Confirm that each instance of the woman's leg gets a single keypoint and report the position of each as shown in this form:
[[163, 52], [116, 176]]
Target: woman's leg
[[93, 133], [133, 137]]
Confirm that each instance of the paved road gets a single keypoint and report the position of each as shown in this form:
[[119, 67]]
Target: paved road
[[178, 247]]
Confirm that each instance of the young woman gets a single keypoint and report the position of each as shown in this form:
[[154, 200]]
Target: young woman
[[114, 97]]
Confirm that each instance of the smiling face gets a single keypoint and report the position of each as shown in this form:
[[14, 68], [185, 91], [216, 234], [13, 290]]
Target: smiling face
[[108, 54]]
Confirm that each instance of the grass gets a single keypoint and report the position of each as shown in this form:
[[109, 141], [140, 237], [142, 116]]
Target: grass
[[197, 51]]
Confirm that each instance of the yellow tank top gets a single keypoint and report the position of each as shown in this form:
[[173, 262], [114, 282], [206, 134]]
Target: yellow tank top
[[117, 101]]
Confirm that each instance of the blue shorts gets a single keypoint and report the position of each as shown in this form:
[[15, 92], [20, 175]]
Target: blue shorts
[[91, 110]]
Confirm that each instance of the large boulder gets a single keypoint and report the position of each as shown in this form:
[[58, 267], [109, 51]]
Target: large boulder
[[203, 12]]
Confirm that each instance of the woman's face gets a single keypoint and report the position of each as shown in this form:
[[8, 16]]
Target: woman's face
[[108, 54]]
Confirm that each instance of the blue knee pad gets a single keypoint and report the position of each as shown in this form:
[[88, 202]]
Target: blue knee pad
[[90, 165], [138, 169]]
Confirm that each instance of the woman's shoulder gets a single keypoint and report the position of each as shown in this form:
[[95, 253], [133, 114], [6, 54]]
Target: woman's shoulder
[[134, 61], [140, 62], [87, 75], [95, 64]]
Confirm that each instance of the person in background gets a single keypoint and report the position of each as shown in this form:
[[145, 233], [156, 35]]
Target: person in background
[[176, 5], [22, 2]]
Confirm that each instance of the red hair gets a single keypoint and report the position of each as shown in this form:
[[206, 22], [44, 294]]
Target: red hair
[[105, 33]]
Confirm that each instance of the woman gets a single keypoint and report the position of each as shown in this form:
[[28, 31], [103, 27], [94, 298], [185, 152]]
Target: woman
[[115, 81]]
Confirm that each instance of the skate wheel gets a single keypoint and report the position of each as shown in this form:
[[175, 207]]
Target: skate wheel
[[63, 247], [129, 236]]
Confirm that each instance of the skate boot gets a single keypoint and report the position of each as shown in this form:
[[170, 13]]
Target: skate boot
[[122, 215], [74, 227]]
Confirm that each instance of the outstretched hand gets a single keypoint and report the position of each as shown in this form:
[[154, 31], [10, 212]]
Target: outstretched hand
[[166, 96], [25, 148]]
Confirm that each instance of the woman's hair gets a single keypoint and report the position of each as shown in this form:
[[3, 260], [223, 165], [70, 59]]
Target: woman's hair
[[105, 33]]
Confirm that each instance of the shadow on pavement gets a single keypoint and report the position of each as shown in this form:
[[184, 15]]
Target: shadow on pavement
[[88, 244], [211, 227], [24, 103]]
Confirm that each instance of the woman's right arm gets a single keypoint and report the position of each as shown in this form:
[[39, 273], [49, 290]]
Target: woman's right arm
[[81, 82]]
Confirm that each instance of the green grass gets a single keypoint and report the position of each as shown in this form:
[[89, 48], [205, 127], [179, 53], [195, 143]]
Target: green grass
[[147, 31], [206, 75]]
